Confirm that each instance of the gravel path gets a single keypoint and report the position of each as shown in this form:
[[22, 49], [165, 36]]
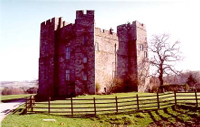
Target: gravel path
[[6, 108]]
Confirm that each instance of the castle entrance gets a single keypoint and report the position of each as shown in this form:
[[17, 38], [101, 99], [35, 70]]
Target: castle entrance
[[71, 89]]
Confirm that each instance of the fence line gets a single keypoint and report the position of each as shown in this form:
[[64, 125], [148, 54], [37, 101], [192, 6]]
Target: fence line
[[113, 105]]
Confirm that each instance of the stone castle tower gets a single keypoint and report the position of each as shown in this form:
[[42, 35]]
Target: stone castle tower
[[73, 57]]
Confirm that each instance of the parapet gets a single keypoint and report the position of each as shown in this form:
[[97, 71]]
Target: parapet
[[122, 27], [139, 25], [130, 25], [105, 33], [50, 22], [80, 14], [57, 22]]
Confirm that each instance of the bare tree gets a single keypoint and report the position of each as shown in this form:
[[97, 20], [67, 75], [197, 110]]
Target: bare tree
[[164, 56]]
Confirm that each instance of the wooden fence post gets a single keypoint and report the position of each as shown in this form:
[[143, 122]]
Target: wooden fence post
[[175, 98], [158, 100], [26, 105], [71, 106], [32, 102], [196, 98], [116, 104], [94, 106], [138, 107], [49, 105]]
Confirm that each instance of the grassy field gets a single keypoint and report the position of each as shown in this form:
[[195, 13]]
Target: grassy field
[[180, 116], [12, 97]]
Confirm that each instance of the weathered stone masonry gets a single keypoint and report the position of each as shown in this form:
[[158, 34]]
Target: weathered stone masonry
[[73, 57]]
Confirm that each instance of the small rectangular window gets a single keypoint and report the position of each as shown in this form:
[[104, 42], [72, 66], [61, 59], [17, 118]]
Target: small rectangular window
[[113, 74], [97, 46], [84, 75], [67, 75], [84, 58], [141, 47], [115, 50], [46, 48], [138, 48], [45, 74], [84, 40], [145, 54], [113, 66], [68, 53]]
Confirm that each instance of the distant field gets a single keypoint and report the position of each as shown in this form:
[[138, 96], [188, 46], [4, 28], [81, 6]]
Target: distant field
[[11, 97], [18, 84]]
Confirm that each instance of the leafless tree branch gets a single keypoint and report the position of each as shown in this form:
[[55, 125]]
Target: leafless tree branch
[[164, 55]]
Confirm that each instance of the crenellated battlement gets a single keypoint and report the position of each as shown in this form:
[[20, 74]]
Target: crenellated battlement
[[130, 25], [56, 22], [105, 33], [50, 22], [80, 14], [139, 25]]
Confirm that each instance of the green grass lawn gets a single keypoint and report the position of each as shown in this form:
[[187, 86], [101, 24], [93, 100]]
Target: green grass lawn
[[166, 116], [11, 97], [162, 117]]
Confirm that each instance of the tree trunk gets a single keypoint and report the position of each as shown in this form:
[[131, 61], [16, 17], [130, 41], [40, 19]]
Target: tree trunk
[[161, 78]]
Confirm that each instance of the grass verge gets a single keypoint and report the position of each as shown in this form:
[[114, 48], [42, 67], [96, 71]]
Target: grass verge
[[6, 98]]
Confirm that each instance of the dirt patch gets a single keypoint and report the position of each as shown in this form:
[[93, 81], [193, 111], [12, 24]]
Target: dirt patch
[[194, 123]]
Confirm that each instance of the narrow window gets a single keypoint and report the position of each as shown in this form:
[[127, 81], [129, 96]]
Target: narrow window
[[46, 48], [141, 47], [113, 66], [84, 40], [138, 48], [68, 53], [84, 75], [67, 75], [115, 48], [97, 46], [145, 54], [84, 58], [113, 74], [45, 74]]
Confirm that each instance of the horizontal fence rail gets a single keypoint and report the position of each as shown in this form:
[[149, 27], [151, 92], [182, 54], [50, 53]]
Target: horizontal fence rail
[[81, 106]]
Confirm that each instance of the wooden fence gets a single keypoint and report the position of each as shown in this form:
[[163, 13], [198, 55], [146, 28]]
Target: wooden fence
[[81, 106]]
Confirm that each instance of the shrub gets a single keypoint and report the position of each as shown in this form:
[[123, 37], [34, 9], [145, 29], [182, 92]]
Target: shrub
[[130, 83], [127, 84], [98, 87], [115, 86], [32, 90], [187, 87], [155, 89], [12, 91]]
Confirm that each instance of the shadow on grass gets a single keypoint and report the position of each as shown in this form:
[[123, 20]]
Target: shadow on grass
[[189, 111], [182, 115]]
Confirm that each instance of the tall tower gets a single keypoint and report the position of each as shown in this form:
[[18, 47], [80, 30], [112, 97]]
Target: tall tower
[[85, 53], [142, 55], [132, 50], [47, 57]]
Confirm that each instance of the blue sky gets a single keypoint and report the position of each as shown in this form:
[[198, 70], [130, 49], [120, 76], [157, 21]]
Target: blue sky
[[20, 28]]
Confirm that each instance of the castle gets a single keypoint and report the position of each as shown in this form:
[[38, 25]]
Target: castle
[[74, 57]]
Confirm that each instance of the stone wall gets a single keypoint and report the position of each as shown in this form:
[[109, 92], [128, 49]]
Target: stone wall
[[105, 56]]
